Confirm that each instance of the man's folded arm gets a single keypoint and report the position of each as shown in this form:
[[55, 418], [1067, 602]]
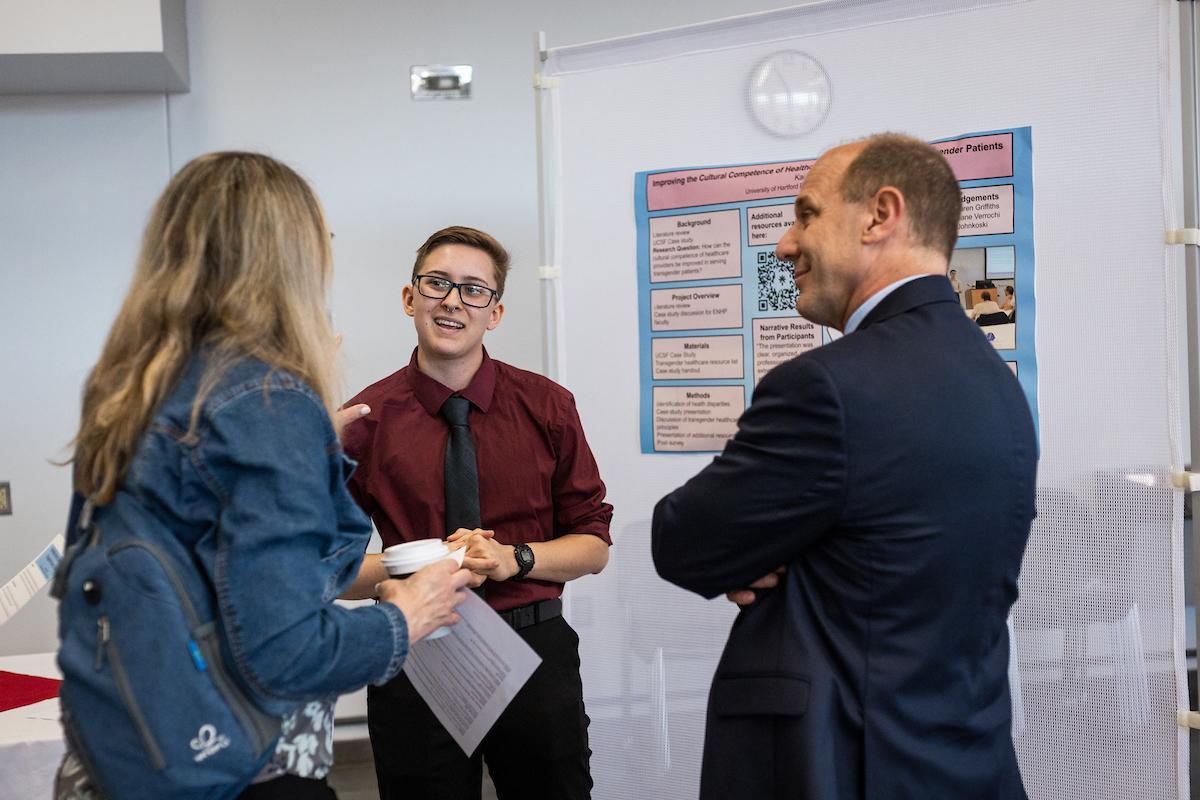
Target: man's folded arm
[[777, 488]]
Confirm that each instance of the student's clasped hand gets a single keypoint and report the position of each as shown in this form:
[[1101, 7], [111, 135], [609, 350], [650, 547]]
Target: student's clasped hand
[[484, 557], [428, 597]]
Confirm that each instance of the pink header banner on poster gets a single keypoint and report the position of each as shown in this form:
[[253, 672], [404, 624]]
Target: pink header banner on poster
[[972, 158], [715, 185], [978, 158]]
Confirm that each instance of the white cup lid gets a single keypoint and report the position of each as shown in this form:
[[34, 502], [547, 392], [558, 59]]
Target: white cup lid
[[408, 557]]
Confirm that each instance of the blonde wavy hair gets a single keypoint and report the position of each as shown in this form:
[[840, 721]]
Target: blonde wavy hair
[[236, 258]]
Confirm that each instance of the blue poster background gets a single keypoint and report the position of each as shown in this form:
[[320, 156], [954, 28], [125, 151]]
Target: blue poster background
[[759, 294]]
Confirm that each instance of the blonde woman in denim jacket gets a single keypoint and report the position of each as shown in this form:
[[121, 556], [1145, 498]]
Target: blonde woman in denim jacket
[[210, 418]]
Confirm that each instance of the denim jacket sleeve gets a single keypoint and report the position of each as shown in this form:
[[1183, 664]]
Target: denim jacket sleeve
[[289, 539]]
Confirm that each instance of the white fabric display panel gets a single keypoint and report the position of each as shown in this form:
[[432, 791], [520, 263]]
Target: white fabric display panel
[[1098, 632]]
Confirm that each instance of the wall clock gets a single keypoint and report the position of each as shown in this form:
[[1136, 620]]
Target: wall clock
[[789, 93]]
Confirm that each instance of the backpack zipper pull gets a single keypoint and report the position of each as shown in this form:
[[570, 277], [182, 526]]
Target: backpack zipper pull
[[197, 657], [101, 640]]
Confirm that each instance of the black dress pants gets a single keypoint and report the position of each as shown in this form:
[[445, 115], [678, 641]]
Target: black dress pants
[[537, 750], [289, 787]]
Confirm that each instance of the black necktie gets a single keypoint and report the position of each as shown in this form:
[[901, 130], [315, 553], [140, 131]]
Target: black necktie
[[461, 470]]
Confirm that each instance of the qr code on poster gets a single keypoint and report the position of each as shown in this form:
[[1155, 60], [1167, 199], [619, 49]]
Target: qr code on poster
[[776, 285]]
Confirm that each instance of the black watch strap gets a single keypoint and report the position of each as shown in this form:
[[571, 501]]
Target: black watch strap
[[524, 555]]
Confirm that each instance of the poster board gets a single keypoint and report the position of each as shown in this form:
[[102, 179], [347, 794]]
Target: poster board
[[717, 308], [1098, 631]]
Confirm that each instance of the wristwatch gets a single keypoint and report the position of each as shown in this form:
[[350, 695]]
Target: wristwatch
[[524, 555]]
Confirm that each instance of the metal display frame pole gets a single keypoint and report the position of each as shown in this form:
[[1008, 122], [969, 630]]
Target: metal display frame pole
[[1189, 32], [553, 357], [553, 360]]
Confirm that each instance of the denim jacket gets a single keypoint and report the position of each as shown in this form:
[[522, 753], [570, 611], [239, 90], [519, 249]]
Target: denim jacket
[[255, 506]]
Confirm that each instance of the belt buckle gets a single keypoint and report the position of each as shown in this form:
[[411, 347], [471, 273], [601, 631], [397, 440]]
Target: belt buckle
[[526, 616]]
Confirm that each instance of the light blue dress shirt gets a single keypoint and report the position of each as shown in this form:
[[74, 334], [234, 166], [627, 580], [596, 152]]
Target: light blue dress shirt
[[861, 312]]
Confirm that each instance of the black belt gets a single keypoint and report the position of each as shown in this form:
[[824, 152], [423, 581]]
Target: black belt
[[532, 614]]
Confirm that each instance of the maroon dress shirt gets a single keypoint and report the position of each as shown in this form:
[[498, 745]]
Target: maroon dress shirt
[[537, 477]]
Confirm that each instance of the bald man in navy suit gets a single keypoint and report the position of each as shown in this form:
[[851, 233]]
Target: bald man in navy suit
[[884, 484]]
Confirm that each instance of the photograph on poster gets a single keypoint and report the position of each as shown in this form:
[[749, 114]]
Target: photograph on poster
[[985, 280]]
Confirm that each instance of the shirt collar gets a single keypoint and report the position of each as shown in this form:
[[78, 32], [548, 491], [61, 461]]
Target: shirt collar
[[866, 308], [431, 394]]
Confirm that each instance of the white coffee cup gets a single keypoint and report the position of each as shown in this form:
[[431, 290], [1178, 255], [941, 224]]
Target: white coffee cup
[[402, 560]]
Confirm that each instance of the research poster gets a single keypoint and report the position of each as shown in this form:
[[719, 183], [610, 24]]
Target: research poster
[[717, 309]]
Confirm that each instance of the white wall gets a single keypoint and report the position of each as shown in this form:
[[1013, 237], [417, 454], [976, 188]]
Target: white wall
[[80, 26], [323, 86], [77, 177]]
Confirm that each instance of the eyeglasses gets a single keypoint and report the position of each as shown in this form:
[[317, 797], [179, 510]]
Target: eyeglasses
[[472, 294]]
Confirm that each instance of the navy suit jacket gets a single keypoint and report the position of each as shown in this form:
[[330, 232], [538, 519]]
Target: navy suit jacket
[[893, 472]]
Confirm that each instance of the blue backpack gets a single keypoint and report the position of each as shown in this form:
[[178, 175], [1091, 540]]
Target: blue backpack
[[148, 705]]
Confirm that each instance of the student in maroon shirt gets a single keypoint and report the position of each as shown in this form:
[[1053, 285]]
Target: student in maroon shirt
[[544, 522]]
